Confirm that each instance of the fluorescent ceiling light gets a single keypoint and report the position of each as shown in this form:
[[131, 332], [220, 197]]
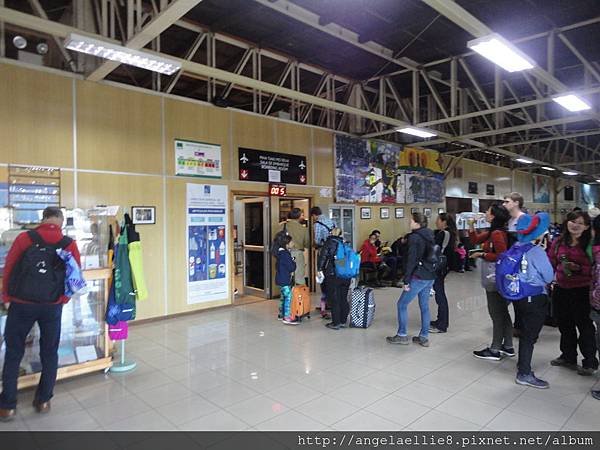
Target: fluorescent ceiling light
[[597, 181], [524, 161], [124, 55], [572, 102], [501, 52], [416, 132], [570, 173], [548, 168]]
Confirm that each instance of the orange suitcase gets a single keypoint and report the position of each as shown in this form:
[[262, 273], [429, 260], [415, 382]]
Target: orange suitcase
[[300, 302]]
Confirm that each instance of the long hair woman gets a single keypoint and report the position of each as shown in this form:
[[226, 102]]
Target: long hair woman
[[418, 280], [572, 262], [494, 242], [445, 237]]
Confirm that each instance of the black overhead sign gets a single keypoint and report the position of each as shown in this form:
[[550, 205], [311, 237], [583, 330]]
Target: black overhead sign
[[271, 167]]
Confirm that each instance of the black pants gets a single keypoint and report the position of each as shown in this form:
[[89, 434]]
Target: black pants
[[20, 320], [572, 309], [393, 263], [337, 292], [532, 313], [442, 302], [518, 323]]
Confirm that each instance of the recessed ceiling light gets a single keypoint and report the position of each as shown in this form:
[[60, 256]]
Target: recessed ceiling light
[[416, 132], [551, 169], [572, 102], [501, 52]]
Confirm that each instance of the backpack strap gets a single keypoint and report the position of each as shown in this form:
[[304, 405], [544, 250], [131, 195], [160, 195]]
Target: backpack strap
[[322, 224], [446, 240], [37, 240]]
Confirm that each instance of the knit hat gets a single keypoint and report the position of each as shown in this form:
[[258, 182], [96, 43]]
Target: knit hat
[[529, 228]]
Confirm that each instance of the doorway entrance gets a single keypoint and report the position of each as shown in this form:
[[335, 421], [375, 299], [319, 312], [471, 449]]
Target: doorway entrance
[[252, 235]]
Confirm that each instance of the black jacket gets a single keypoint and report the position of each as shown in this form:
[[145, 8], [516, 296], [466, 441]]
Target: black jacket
[[418, 242], [326, 259], [284, 268], [439, 240]]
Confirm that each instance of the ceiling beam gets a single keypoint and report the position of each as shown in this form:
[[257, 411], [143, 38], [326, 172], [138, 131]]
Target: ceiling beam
[[165, 19]]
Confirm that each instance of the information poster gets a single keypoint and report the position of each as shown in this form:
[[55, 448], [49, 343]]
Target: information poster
[[207, 261], [196, 159]]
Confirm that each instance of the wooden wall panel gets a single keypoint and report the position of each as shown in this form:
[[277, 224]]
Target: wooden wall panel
[[323, 158], [194, 122], [36, 119], [129, 191], [67, 189], [251, 132], [118, 129]]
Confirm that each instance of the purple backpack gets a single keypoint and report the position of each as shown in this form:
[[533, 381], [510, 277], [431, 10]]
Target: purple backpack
[[511, 274]]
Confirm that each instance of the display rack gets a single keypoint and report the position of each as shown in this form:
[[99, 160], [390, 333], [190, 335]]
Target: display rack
[[30, 190]]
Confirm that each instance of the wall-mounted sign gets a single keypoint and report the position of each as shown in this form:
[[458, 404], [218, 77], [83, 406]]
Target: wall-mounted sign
[[197, 159], [271, 167], [277, 190]]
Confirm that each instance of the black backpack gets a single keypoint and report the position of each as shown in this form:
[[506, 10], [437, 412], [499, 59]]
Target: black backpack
[[433, 260], [39, 276]]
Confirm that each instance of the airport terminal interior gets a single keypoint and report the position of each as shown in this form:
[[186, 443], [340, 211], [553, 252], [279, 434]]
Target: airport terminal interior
[[249, 188]]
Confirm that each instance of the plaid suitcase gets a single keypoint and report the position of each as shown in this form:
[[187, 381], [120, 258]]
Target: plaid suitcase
[[362, 307]]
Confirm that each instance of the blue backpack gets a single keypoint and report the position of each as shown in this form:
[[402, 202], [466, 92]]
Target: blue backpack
[[347, 261], [511, 274]]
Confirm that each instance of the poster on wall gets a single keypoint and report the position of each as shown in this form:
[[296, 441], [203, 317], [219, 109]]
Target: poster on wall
[[206, 229], [197, 159], [590, 194], [271, 167], [541, 189]]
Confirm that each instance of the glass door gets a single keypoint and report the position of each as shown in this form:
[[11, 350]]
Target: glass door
[[255, 247], [343, 216]]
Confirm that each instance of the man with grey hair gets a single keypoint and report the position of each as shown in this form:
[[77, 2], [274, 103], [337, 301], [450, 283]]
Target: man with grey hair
[[33, 285]]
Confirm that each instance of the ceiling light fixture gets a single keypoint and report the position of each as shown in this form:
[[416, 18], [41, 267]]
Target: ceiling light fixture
[[416, 132], [20, 42], [124, 55], [572, 102], [524, 161], [501, 52], [597, 181], [551, 169], [568, 172], [42, 48]]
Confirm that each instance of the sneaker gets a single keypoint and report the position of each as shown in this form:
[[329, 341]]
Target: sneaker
[[279, 316], [422, 341], [331, 326], [532, 381], [596, 395], [505, 351], [433, 323], [433, 329], [402, 340], [561, 362], [585, 371], [487, 353], [290, 321]]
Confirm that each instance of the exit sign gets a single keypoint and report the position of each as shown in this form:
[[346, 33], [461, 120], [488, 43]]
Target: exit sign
[[277, 190]]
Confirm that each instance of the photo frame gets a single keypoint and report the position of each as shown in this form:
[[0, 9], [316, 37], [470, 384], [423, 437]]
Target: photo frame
[[427, 212], [414, 210], [143, 215], [365, 213], [490, 189], [472, 187], [399, 213], [384, 213]]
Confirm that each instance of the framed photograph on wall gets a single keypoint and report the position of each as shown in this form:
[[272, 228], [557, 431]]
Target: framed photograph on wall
[[489, 189], [427, 212], [365, 213], [143, 215], [472, 187], [414, 210], [384, 213], [399, 213]]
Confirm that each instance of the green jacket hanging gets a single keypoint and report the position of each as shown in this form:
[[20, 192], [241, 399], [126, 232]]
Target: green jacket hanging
[[124, 292]]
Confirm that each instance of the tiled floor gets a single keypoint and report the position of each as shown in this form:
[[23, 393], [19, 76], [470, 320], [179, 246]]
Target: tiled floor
[[239, 368]]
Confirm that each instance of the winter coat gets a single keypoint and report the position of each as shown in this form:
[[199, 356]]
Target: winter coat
[[284, 268], [418, 243]]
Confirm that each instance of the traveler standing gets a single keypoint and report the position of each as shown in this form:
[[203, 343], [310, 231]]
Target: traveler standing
[[34, 296], [337, 288], [300, 237], [323, 227], [445, 237], [495, 242], [514, 202], [419, 276], [595, 289], [284, 270], [571, 296]]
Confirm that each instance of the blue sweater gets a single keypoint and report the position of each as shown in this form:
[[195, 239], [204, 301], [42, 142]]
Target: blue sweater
[[284, 267], [539, 269]]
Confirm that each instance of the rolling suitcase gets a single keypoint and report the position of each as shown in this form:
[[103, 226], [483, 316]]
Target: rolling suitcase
[[300, 302], [362, 307]]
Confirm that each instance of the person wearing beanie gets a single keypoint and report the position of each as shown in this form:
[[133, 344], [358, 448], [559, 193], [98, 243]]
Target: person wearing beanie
[[532, 310]]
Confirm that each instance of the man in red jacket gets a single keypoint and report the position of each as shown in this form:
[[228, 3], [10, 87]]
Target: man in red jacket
[[23, 314]]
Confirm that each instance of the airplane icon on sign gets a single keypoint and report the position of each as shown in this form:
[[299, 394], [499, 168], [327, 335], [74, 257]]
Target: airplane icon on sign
[[302, 165], [244, 159]]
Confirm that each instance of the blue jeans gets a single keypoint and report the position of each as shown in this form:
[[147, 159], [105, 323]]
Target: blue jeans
[[20, 320], [421, 288]]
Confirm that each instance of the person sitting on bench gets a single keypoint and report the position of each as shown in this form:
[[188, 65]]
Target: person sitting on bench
[[370, 260]]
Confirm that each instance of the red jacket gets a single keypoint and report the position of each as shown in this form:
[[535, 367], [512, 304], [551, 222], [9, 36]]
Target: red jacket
[[51, 234], [576, 255], [368, 253], [492, 248]]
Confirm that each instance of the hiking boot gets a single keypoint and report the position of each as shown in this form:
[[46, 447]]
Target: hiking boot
[[6, 415], [596, 395], [585, 371], [290, 321], [505, 351], [488, 353], [561, 362], [422, 341], [532, 381], [331, 326], [402, 340], [433, 329]]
